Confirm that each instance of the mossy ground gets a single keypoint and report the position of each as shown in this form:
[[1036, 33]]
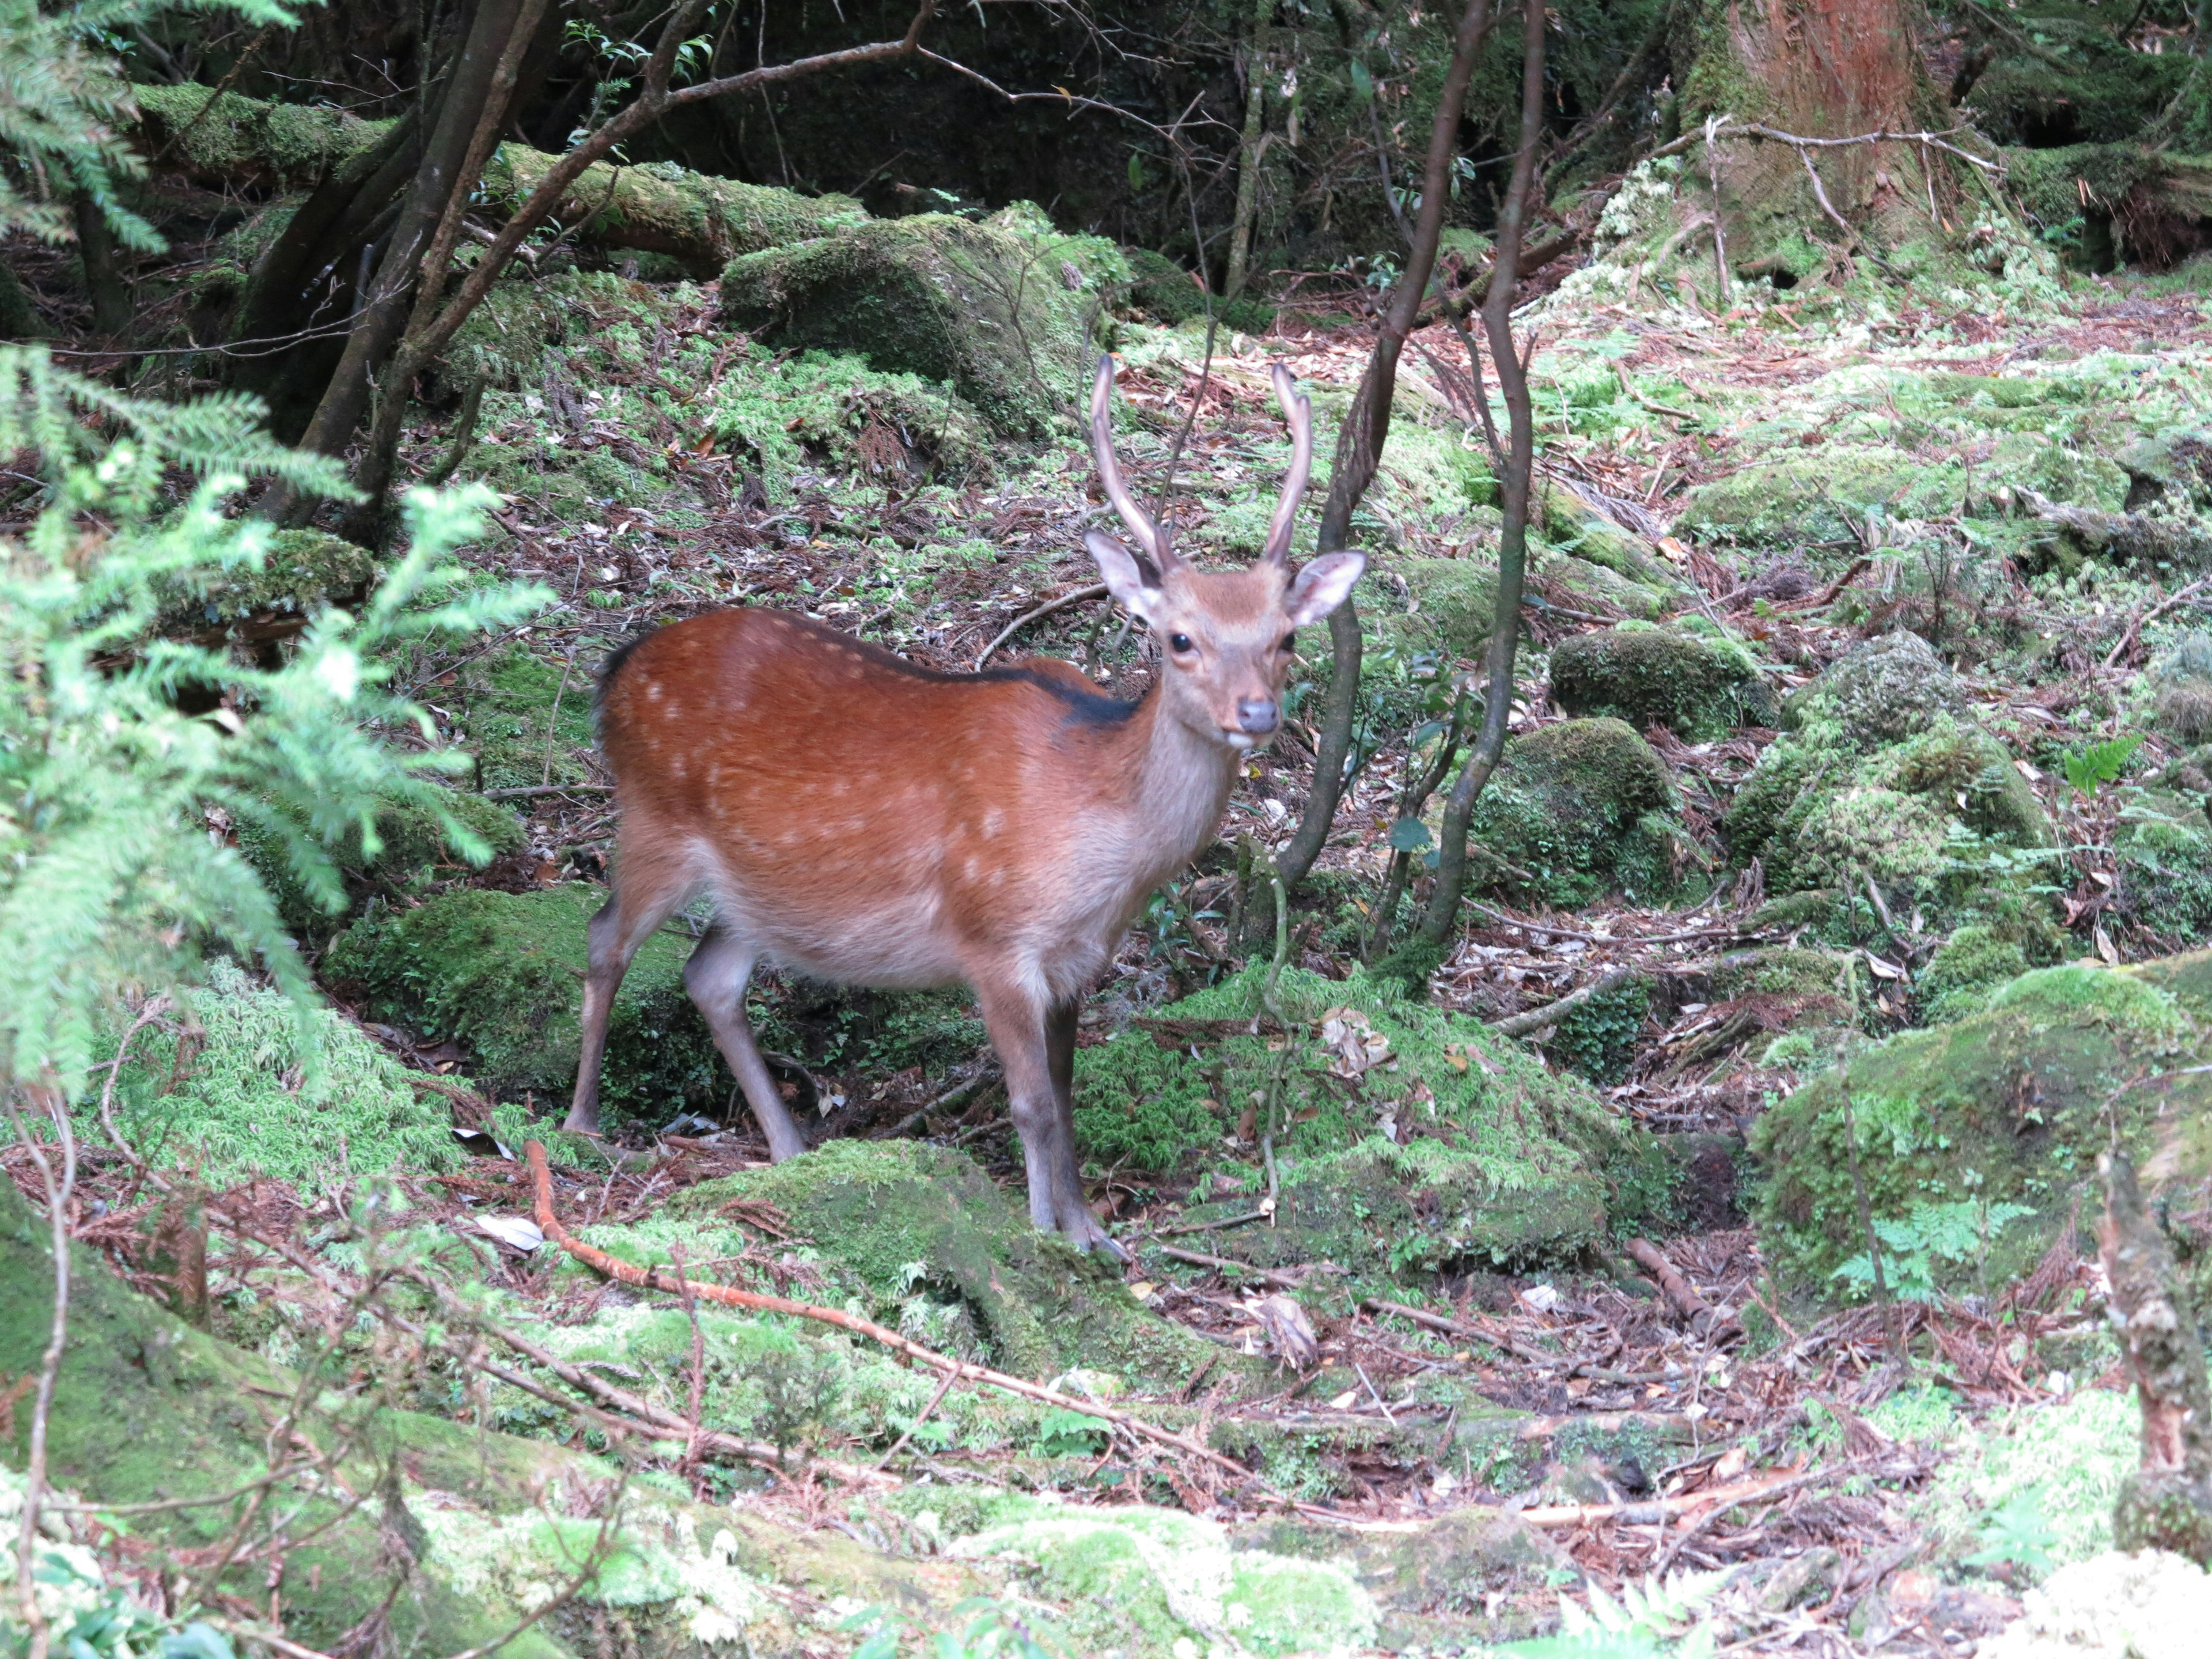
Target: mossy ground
[[1451, 1148], [238, 1090]]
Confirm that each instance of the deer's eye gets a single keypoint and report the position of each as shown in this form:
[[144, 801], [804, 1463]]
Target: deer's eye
[[1290, 641], [1179, 643]]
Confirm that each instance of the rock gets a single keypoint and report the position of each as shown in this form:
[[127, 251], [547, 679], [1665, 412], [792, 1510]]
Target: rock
[[503, 973], [1878, 692], [2150, 1604], [236, 1100], [1467, 1579], [303, 573], [2009, 1105], [2180, 687], [1576, 809], [1572, 524], [1821, 499], [1881, 766], [1965, 970], [1165, 292], [907, 1225], [1152, 1584], [2162, 857], [1698, 687], [1408, 1139], [949, 299]]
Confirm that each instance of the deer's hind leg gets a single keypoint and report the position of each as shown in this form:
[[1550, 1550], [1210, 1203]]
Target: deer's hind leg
[[716, 976], [647, 892]]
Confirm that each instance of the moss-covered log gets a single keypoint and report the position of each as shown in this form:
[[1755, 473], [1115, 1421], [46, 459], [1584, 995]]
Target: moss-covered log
[[696, 220]]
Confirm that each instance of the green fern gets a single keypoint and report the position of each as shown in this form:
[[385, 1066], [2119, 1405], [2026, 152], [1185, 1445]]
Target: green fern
[[2098, 764], [1659, 1619], [109, 876]]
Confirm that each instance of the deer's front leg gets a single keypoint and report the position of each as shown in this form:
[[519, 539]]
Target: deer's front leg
[[1077, 1218], [1026, 1035]]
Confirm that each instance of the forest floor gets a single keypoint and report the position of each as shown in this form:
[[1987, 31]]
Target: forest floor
[[1884, 1478]]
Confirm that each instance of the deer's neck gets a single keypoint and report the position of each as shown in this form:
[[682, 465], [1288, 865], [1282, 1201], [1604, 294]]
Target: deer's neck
[[1180, 782]]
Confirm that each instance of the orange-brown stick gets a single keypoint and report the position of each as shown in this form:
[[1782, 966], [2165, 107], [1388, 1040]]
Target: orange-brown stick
[[541, 1178]]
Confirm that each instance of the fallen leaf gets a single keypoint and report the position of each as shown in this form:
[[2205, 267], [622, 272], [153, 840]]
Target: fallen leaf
[[517, 1232]]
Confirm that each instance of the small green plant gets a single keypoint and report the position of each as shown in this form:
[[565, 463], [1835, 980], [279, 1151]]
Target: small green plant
[[1660, 1619], [2093, 765], [1954, 1233], [2018, 1533], [1065, 1433]]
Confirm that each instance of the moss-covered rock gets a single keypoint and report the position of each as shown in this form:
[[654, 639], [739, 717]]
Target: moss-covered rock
[[899, 1220], [2162, 855], [1152, 1584], [1161, 291], [302, 572], [2179, 684], [2009, 1105], [1408, 1139], [414, 851], [1005, 310], [527, 720], [1814, 503], [503, 973], [1577, 809], [1880, 690], [230, 1093], [1967, 970], [1697, 685]]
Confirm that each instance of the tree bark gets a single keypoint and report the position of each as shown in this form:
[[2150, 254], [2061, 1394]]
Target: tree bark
[[2167, 1502], [441, 170], [1442, 913], [1247, 151], [1359, 443]]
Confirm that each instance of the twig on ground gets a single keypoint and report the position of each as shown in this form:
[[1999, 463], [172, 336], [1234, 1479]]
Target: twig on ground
[[1537, 1019], [1080, 596]]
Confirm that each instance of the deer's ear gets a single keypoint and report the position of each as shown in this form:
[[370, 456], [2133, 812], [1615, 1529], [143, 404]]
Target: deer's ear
[[1322, 586], [1130, 579]]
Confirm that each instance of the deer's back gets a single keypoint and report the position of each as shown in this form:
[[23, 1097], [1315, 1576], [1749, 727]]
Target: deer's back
[[826, 787]]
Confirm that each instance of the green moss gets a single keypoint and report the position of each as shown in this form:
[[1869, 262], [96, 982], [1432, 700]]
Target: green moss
[[1456, 1146], [1146, 1582], [1879, 691], [1577, 808], [1164, 291], [1816, 502], [235, 1100], [1965, 970], [1696, 686], [895, 1220], [1598, 1039], [832, 407], [519, 713], [414, 851], [503, 973], [2010, 1104], [694, 219], [2162, 855], [302, 572], [244, 140], [985, 307]]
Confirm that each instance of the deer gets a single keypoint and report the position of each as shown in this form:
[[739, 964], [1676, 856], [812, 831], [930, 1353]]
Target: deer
[[861, 819]]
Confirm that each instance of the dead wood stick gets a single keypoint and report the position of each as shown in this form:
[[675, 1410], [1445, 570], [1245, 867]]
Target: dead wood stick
[[1210, 1226], [1201, 1259], [541, 1178], [913, 1121], [1560, 931], [1459, 1327], [1650, 1511], [1536, 1019], [1082, 595], [1680, 1295], [537, 789]]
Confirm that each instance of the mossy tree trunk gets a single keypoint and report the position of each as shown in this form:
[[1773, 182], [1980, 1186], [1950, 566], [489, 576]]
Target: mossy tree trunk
[[1814, 69]]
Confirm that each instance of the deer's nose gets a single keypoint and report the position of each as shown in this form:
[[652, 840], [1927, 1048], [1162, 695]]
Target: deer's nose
[[1257, 715]]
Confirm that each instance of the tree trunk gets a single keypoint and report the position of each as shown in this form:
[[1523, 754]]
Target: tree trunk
[[468, 85], [1247, 151], [1815, 68], [2166, 1503]]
